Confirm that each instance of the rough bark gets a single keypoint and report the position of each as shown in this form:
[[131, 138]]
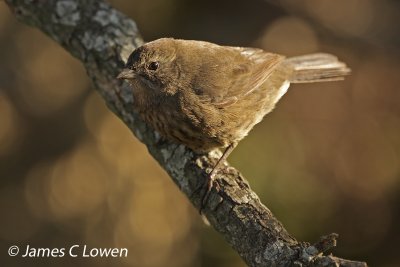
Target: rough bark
[[102, 38]]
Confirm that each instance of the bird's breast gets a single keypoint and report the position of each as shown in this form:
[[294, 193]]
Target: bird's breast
[[183, 122]]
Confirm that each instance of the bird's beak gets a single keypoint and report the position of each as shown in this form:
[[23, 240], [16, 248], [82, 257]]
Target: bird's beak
[[126, 74]]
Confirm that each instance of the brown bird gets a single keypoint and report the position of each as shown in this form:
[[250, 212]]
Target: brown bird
[[208, 96]]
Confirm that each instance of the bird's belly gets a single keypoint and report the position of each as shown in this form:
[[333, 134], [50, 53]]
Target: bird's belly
[[179, 129]]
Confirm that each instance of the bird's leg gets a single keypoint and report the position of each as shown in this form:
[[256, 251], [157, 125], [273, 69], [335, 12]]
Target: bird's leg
[[211, 175]]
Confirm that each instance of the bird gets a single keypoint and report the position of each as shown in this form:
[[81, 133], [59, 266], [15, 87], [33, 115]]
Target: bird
[[208, 96]]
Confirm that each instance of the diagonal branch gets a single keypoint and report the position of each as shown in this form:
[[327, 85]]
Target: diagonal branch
[[102, 38]]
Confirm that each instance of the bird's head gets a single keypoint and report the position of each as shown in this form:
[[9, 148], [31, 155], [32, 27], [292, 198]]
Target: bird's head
[[151, 66]]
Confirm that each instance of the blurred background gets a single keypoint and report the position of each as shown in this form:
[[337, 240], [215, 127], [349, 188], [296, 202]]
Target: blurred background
[[326, 160]]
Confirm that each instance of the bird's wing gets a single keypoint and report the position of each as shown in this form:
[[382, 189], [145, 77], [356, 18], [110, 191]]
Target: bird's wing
[[236, 73]]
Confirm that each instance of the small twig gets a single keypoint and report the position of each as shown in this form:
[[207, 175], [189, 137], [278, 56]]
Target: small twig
[[326, 242]]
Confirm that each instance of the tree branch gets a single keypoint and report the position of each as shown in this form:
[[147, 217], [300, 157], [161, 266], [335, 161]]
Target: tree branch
[[102, 38]]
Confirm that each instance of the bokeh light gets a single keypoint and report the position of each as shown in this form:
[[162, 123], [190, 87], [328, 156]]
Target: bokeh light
[[353, 17], [48, 79], [281, 34], [10, 130], [78, 183]]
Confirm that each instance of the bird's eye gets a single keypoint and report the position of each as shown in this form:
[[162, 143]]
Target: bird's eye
[[153, 66]]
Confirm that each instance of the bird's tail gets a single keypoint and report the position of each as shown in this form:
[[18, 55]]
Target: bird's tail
[[316, 68]]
